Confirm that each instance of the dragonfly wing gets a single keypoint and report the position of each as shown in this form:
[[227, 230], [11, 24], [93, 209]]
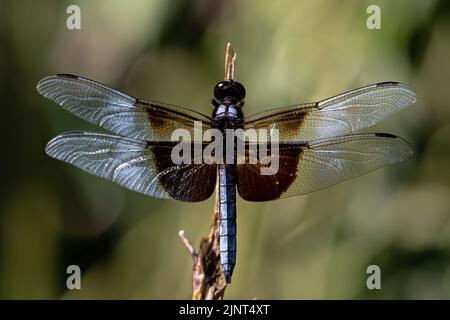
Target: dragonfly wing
[[341, 114], [118, 112], [140, 166], [315, 165]]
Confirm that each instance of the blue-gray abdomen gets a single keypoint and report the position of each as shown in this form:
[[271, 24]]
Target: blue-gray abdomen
[[227, 218]]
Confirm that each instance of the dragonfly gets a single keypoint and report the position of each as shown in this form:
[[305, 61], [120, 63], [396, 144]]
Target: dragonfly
[[317, 145]]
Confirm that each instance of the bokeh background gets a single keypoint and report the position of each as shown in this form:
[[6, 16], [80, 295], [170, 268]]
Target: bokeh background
[[316, 246]]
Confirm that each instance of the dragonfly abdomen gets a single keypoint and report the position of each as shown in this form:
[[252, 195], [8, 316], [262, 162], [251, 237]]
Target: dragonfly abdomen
[[227, 218]]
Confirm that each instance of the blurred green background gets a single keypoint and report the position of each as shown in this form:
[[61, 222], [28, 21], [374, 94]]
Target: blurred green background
[[316, 246]]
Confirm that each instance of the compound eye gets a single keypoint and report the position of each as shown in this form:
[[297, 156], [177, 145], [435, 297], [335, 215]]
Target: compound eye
[[220, 90], [239, 91]]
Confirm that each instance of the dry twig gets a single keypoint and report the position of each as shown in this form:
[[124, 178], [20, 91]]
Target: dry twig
[[208, 280]]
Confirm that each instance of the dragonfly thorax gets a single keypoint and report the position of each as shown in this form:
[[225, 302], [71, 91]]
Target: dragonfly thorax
[[228, 116]]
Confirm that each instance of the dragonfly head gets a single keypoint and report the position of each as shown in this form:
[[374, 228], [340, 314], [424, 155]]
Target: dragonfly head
[[229, 88]]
